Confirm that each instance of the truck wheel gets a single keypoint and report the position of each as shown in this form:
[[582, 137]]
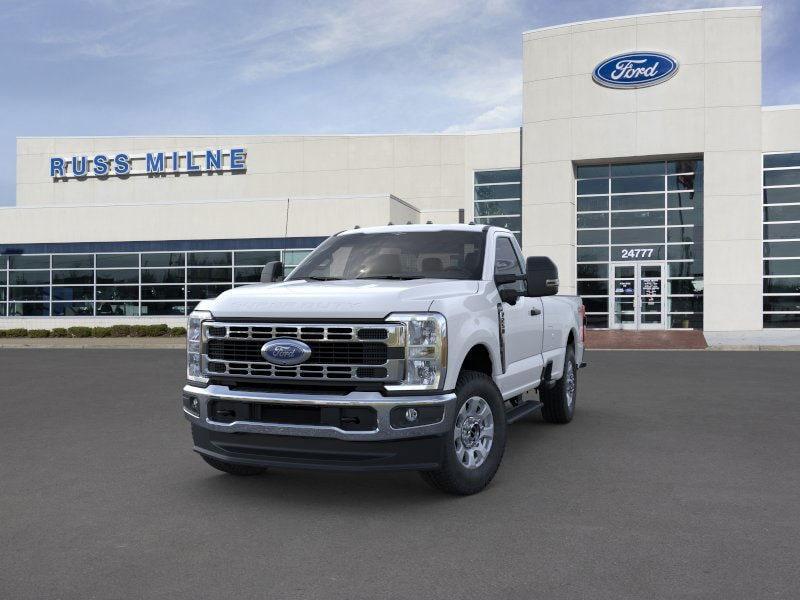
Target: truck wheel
[[559, 400], [233, 469], [473, 449]]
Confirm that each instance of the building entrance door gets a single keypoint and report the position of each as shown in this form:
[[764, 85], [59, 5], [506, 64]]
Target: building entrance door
[[637, 295]]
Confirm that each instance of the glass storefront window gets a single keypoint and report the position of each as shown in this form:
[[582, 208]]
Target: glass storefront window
[[163, 259], [107, 284], [117, 276], [73, 261], [209, 259], [497, 199], [29, 261], [29, 277], [640, 212], [115, 261]]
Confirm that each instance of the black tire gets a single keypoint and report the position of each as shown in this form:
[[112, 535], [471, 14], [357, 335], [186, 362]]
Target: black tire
[[232, 468], [558, 406], [453, 476]]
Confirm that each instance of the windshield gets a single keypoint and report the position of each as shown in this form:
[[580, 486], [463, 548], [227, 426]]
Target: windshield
[[400, 255]]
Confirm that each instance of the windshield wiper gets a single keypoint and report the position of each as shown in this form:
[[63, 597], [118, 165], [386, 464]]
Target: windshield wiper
[[399, 277], [323, 278]]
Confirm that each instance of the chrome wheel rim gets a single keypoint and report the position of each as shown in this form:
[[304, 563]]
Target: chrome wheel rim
[[571, 385], [473, 432]]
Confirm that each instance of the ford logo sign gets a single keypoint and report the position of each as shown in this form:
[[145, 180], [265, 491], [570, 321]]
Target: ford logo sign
[[285, 352], [635, 70]]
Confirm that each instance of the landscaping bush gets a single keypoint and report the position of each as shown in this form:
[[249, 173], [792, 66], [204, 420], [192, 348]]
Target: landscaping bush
[[38, 333], [59, 332], [138, 331], [2, 333], [101, 332], [157, 330], [16, 332], [80, 332], [177, 331], [120, 330]]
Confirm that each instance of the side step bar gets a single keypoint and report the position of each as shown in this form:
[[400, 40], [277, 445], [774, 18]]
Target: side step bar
[[523, 410]]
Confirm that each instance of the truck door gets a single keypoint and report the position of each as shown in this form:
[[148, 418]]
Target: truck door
[[524, 321]]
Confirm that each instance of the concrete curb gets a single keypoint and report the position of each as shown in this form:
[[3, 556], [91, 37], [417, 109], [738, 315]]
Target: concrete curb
[[157, 343]]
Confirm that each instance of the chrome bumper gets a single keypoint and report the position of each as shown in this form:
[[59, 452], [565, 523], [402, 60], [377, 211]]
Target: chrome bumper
[[381, 404]]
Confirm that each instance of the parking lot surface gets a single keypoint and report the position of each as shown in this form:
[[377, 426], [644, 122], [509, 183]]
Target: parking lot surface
[[678, 478]]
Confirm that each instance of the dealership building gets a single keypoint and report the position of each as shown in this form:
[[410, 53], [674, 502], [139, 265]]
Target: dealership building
[[645, 166]]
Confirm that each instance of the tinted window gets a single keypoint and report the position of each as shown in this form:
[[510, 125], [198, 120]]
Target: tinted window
[[163, 259], [73, 261], [396, 255], [506, 262], [113, 261]]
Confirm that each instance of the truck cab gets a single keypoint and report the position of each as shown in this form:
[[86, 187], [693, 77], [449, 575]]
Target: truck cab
[[397, 347]]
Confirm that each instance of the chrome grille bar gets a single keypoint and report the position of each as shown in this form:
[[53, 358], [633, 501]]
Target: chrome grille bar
[[343, 351]]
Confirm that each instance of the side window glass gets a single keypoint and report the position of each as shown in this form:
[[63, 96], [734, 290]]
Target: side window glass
[[507, 262]]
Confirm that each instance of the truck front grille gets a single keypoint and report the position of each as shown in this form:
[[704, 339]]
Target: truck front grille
[[368, 352]]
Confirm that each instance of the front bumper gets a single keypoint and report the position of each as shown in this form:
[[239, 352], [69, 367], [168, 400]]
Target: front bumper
[[320, 446]]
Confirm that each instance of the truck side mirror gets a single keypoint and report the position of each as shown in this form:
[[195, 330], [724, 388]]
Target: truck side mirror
[[272, 272], [541, 275]]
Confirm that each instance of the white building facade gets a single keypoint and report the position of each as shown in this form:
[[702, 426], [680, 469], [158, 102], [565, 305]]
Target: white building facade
[[645, 166]]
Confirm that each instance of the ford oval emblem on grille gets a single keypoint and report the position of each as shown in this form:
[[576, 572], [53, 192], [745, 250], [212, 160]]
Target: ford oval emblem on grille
[[286, 352]]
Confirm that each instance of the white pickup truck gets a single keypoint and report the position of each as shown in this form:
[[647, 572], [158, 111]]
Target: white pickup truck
[[397, 347]]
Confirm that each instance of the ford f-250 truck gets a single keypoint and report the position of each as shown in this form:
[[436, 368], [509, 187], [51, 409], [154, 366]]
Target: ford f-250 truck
[[397, 347]]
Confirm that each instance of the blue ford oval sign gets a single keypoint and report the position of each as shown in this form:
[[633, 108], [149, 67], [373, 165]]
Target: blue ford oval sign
[[635, 70], [285, 352]]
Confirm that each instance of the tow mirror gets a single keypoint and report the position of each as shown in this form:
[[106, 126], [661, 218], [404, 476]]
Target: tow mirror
[[507, 295], [272, 272], [541, 274]]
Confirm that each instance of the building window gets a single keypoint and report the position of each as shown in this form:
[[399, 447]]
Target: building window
[[127, 284], [646, 213], [781, 212], [498, 199]]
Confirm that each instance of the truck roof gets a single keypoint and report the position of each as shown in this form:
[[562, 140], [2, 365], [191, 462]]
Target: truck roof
[[430, 227]]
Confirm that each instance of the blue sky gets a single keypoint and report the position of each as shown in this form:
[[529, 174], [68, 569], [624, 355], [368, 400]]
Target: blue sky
[[104, 67]]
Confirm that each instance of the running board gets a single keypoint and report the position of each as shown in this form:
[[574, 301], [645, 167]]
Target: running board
[[523, 410]]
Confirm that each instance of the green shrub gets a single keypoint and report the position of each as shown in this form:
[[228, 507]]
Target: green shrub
[[59, 332], [138, 330], [177, 331], [120, 330], [157, 330], [2, 333], [80, 332], [38, 333], [101, 332], [16, 332]]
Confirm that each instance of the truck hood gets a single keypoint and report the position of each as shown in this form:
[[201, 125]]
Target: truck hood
[[350, 299]]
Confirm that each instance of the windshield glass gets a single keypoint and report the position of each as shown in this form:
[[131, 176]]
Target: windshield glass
[[401, 255]]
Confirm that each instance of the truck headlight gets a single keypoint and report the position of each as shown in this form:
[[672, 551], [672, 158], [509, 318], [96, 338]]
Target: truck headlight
[[194, 346], [426, 350]]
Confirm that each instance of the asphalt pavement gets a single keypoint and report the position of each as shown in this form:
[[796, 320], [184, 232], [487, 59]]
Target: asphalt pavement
[[678, 478]]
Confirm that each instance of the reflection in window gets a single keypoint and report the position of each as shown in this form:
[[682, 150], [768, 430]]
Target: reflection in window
[[781, 279], [641, 211], [498, 199], [108, 283]]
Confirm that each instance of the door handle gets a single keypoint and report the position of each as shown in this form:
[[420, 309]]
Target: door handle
[[535, 311]]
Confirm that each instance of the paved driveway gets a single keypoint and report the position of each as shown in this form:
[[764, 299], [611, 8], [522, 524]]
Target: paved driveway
[[679, 478]]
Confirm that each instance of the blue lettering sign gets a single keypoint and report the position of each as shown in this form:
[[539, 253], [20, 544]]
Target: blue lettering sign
[[122, 165], [635, 70], [154, 163], [56, 167], [213, 160], [79, 166], [237, 159], [100, 163], [190, 166]]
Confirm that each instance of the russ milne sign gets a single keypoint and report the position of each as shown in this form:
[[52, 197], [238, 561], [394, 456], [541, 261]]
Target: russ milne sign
[[122, 164], [635, 70]]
